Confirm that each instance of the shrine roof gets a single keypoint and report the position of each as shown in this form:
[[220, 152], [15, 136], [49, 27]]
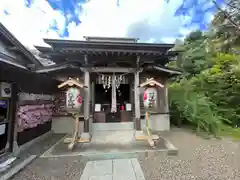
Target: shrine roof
[[57, 43], [99, 47], [111, 39], [71, 50]]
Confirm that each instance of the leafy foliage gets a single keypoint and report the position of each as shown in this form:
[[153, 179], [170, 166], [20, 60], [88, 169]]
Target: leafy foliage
[[193, 61], [207, 94], [226, 26]]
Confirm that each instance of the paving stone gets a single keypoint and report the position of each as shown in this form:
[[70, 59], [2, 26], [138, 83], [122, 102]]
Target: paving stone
[[87, 171], [122, 169], [103, 167], [116, 169], [105, 177], [138, 170]]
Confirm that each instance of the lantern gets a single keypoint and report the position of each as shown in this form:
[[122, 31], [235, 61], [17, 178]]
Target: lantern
[[150, 97], [73, 100]]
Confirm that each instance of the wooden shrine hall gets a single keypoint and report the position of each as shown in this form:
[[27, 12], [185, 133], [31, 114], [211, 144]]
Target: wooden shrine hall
[[112, 70]]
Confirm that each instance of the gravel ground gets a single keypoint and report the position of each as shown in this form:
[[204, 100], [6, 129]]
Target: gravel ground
[[35, 149], [64, 168], [198, 159]]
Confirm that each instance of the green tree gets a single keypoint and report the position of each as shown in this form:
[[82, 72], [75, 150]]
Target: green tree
[[207, 94]]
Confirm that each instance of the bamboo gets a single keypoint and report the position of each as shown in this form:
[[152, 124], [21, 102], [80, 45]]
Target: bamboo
[[75, 134], [150, 140]]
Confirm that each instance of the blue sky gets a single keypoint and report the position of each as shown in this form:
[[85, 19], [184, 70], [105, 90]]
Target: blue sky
[[150, 20]]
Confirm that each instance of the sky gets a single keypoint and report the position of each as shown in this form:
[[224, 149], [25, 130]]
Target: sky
[[152, 21]]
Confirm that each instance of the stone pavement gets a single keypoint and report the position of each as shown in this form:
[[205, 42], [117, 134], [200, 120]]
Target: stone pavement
[[116, 169]]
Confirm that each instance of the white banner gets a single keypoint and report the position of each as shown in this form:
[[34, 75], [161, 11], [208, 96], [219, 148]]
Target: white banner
[[73, 100], [150, 98]]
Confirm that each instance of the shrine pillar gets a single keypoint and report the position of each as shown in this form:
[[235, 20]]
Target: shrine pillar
[[86, 101], [137, 101], [85, 137]]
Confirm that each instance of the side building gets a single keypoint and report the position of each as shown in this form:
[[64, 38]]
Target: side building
[[24, 96]]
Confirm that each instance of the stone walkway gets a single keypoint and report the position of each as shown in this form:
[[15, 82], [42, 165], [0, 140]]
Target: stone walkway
[[117, 169]]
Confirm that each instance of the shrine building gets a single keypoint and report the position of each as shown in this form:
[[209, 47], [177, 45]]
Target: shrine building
[[111, 70]]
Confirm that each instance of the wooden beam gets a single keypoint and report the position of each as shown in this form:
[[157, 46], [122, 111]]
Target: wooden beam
[[166, 70], [86, 50], [13, 63], [166, 99], [13, 48], [109, 69], [138, 61], [55, 68], [151, 82], [71, 82], [85, 59]]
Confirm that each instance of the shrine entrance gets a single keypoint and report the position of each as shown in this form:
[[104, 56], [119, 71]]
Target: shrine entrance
[[110, 106]]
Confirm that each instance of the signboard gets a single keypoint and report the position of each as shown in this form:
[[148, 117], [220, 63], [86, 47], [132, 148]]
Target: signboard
[[128, 107], [4, 104], [150, 98], [73, 100], [2, 129]]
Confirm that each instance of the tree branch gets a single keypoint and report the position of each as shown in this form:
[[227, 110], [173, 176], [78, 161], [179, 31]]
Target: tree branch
[[227, 16], [233, 6]]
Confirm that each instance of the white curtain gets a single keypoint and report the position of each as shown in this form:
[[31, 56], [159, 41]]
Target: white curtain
[[114, 96]]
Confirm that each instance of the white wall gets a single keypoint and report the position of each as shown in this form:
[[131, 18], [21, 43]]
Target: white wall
[[158, 122]]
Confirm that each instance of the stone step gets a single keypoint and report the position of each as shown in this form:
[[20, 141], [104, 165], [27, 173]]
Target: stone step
[[112, 126], [115, 137]]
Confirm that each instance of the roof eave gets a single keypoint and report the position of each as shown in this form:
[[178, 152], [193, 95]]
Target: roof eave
[[55, 42], [15, 42], [170, 71]]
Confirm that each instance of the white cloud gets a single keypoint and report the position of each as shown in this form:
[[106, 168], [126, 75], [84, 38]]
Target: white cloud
[[30, 25], [151, 21]]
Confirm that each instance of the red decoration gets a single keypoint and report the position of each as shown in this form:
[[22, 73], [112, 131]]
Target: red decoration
[[79, 99], [122, 107], [145, 96]]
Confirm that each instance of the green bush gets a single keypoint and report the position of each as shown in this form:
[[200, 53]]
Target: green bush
[[194, 107], [210, 98]]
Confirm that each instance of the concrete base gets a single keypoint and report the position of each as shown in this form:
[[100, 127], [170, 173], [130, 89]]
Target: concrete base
[[85, 138], [140, 136], [157, 122], [172, 150], [16, 149], [67, 140], [64, 125]]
